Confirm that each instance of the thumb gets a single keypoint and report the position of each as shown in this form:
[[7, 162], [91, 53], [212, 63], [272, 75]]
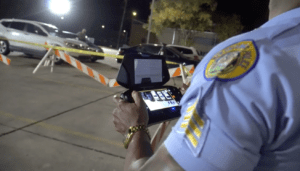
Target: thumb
[[137, 98]]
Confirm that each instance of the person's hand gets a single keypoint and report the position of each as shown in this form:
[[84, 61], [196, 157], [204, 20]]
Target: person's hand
[[184, 88], [129, 114]]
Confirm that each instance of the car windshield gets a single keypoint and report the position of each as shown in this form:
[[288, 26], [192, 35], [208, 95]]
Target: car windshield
[[54, 31], [51, 29], [66, 34], [170, 51], [151, 49], [183, 50]]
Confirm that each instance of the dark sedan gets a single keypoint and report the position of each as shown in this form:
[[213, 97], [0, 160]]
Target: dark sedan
[[170, 53]]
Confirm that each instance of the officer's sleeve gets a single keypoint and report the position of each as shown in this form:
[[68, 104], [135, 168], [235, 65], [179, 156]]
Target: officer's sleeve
[[230, 123]]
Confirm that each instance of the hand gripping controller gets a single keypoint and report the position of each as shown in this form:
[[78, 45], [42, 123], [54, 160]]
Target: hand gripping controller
[[126, 96], [170, 96]]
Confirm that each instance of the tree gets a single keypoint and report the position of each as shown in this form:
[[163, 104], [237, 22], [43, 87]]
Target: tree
[[227, 26], [189, 16]]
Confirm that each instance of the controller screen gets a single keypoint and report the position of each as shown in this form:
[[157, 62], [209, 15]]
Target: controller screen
[[148, 68], [158, 99]]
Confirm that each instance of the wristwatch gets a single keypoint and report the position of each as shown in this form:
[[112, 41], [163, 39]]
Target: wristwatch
[[131, 131]]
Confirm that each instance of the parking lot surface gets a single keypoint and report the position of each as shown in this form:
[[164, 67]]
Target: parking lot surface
[[61, 120]]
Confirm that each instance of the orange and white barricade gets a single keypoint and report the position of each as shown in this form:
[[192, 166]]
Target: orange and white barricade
[[5, 59], [74, 62], [84, 68], [113, 83], [175, 72]]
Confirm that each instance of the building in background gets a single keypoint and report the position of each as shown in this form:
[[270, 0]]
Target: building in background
[[138, 34]]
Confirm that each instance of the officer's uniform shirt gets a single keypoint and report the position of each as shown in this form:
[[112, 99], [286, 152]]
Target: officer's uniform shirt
[[242, 110]]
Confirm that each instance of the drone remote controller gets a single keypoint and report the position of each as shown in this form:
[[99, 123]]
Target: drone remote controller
[[147, 75]]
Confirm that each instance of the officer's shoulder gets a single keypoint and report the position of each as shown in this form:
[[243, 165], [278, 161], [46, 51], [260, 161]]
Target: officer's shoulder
[[233, 58], [255, 35]]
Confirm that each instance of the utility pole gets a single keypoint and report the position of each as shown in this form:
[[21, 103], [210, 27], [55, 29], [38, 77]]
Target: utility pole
[[150, 22], [120, 32]]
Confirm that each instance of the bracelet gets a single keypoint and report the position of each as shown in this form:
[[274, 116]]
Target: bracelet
[[132, 130]]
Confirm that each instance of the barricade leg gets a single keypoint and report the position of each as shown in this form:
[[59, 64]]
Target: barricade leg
[[183, 74], [43, 59], [47, 62], [52, 62]]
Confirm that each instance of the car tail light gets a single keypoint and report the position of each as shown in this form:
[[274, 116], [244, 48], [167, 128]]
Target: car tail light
[[196, 58]]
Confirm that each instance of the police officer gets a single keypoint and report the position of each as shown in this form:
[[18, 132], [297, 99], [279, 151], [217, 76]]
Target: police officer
[[241, 111], [81, 35]]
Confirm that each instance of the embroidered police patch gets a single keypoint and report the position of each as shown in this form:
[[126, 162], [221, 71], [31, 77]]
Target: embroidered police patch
[[232, 62]]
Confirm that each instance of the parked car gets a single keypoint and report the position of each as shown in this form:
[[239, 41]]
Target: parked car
[[189, 52], [170, 53], [42, 33], [70, 35], [152, 49], [173, 55]]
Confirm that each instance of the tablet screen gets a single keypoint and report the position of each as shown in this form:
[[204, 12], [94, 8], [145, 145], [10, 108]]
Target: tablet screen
[[158, 99], [147, 68]]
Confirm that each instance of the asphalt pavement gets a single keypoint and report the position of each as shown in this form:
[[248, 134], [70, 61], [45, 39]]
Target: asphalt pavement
[[59, 121]]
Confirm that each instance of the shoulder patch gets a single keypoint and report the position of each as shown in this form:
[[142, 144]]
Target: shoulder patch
[[233, 62]]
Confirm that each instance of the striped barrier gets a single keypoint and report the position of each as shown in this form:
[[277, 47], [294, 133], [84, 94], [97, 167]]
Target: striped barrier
[[113, 83], [5, 59], [175, 72], [189, 69], [82, 67]]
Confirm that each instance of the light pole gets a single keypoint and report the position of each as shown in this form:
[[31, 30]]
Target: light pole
[[120, 32], [126, 33], [150, 22]]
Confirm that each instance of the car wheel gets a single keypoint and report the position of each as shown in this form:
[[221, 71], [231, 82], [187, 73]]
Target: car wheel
[[4, 49], [93, 59], [58, 61], [119, 60]]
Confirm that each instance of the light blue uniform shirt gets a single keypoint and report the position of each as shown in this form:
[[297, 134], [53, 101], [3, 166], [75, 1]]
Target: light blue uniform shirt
[[250, 121]]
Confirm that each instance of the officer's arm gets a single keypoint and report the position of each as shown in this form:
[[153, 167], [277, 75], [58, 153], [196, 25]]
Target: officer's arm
[[141, 157]]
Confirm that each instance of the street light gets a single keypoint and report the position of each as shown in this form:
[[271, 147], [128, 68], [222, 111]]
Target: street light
[[60, 6], [126, 33], [134, 13], [103, 26]]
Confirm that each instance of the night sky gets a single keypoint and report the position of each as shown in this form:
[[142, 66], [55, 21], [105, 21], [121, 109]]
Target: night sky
[[92, 14]]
